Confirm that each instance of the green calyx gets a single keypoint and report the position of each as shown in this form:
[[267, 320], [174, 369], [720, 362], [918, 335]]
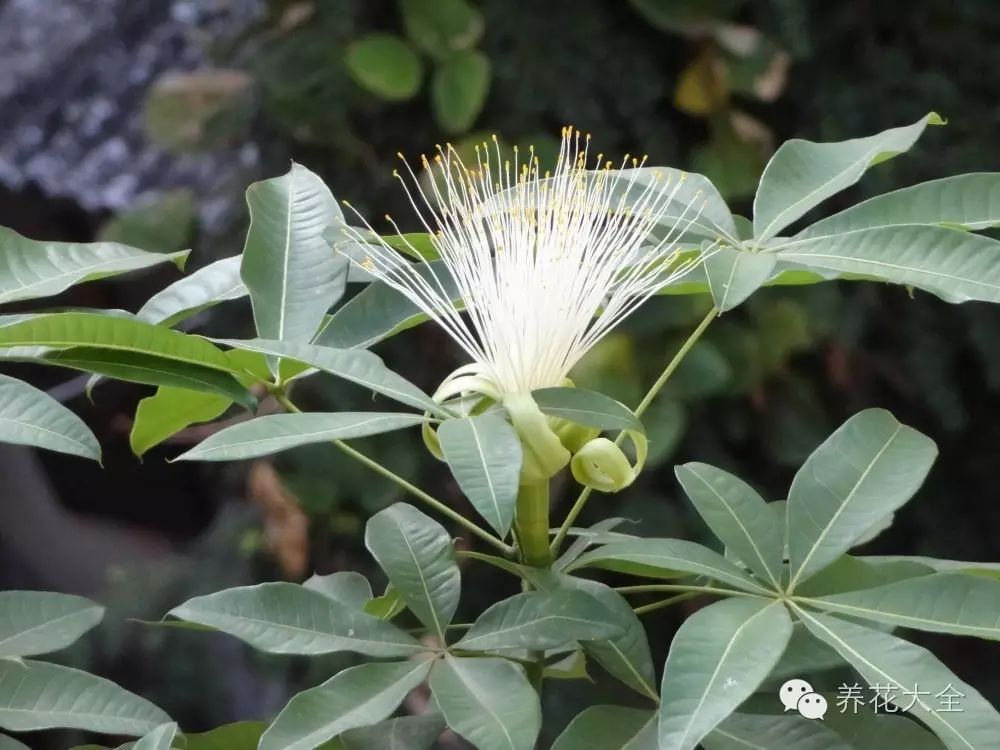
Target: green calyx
[[544, 453]]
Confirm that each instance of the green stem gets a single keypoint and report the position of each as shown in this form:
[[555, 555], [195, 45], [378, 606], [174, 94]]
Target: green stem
[[664, 603], [418, 493], [532, 522], [651, 394], [667, 587]]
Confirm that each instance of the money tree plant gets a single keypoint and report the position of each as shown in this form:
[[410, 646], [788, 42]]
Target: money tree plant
[[526, 270]]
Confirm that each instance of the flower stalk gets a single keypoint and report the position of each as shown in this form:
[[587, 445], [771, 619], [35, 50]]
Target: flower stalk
[[532, 524]]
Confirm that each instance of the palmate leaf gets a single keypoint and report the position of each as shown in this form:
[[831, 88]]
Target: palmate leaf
[[402, 733], [170, 410], [884, 659], [943, 603], [734, 274], [216, 282], [484, 454], [587, 408], [802, 174], [738, 516], [540, 620], [283, 618], [487, 701], [416, 553], [869, 467], [356, 697], [970, 201], [950, 263], [36, 622], [37, 695], [867, 730], [29, 416], [277, 432], [31, 269], [345, 586], [718, 658], [667, 558], [288, 267], [9, 743]]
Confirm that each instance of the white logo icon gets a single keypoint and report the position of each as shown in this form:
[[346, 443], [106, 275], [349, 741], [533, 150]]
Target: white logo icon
[[799, 695]]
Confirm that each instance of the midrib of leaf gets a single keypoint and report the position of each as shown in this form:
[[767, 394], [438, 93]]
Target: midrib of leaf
[[843, 504], [931, 714], [40, 626], [423, 582], [474, 692], [709, 570], [361, 706], [736, 518], [530, 624], [86, 270], [486, 472], [264, 441], [39, 428], [718, 666], [286, 260], [316, 634], [865, 159], [871, 613], [649, 689]]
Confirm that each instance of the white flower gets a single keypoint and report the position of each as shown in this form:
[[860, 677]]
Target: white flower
[[545, 265]]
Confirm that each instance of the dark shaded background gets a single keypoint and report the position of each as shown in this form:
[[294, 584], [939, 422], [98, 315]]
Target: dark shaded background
[[144, 120]]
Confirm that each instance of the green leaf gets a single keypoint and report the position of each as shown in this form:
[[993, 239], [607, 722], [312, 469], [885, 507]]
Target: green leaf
[[37, 695], [587, 408], [848, 573], [883, 659], [735, 274], [418, 245], [942, 566], [9, 743], [866, 730], [346, 587], [283, 618], [459, 88], [950, 263], [31, 269], [718, 658], [36, 622], [759, 732], [161, 738], [165, 224], [600, 533], [29, 416], [361, 367], [484, 454], [127, 348], [540, 621], [609, 728], [803, 174], [288, 267], [385, 65], [402, 733], [198, 291], [379, 311], [489, 702], [804, 656], [169, 411], [738, 516], [151, 370], [387, 606], [626, 657], [241, 735], [442, 26], [356, 697], [970, 201], [869, 467], [942, 603], [667, 558], [416, 553], [278, 432]]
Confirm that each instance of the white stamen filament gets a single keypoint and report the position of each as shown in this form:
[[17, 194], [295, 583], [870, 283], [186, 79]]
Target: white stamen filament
[[544, 265]]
